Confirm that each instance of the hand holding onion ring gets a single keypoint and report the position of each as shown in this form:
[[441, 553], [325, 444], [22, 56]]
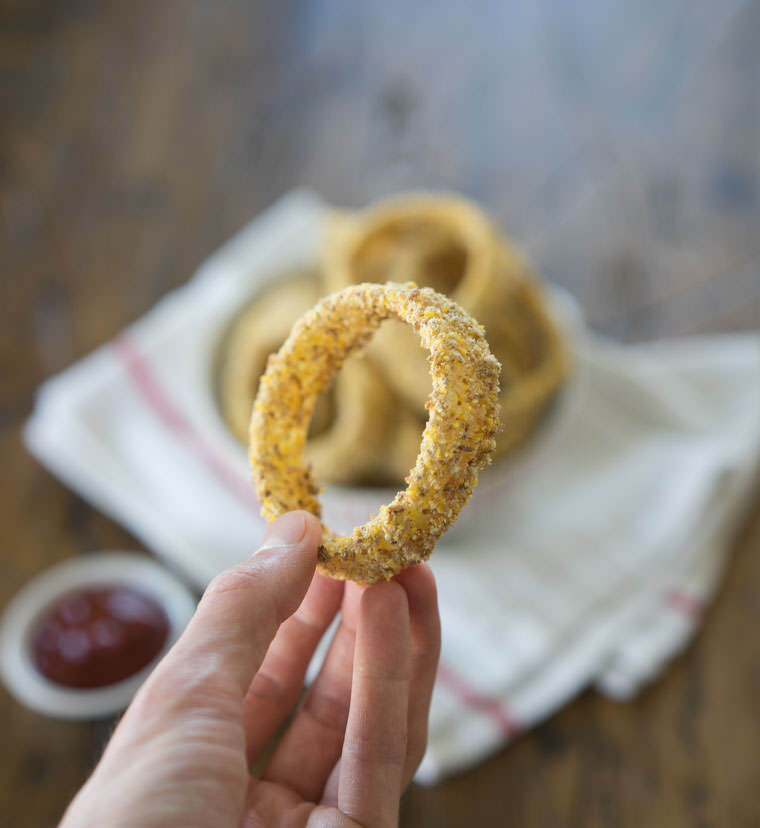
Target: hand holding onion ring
[[458, 440]]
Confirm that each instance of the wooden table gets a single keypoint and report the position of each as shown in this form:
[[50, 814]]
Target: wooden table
[[621, 147]]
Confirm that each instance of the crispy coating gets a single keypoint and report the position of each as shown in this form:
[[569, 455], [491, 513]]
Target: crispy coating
[[457, 442]]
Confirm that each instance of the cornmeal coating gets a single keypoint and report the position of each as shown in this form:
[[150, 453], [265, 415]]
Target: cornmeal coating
[[463, 420]]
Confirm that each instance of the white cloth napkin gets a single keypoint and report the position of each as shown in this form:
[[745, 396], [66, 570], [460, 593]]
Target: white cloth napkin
[[588, 560]]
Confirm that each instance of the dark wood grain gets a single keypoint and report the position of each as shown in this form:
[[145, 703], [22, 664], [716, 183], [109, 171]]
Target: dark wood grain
[[620, 145]]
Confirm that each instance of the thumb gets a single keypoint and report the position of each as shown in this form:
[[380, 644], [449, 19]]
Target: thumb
[[242, 607]]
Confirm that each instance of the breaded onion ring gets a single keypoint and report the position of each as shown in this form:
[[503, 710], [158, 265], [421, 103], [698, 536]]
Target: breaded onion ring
[[361, 433], [457, 441], [448, 243], [257, 331]]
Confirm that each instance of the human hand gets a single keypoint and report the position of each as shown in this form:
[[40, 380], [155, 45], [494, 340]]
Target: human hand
[[181, 753]]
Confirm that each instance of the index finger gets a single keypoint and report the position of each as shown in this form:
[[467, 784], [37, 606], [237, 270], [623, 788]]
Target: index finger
[[374, 750]]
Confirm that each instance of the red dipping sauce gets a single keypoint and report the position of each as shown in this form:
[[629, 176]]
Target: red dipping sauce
[[97, 636]]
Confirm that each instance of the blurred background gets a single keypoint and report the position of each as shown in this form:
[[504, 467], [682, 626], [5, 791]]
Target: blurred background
[[618, 143]]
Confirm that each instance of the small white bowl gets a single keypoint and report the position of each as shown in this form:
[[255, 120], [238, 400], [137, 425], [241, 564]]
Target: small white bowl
[[22, 678]]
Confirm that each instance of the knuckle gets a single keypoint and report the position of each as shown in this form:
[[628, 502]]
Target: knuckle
[[385, 749], [233, 580], [246, 582], [197, 686], [327, 709]]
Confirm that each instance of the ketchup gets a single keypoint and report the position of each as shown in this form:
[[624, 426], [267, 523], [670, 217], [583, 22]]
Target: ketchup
[[98, 636]]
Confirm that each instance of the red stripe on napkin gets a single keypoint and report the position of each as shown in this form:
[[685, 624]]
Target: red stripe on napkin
[[174, 419], [495, 708], [686, 604]]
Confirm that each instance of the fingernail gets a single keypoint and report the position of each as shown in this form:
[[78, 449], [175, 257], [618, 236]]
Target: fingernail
[[287, 530]]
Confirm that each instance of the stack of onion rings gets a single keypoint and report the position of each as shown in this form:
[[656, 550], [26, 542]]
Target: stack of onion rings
[[365, 430], [449, 244]]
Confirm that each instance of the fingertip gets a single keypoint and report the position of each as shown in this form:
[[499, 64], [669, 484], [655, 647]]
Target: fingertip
[[420, 586], [298, 530], [308, 517], [312, 536], [418, 577], [385, 604], [422, 594]]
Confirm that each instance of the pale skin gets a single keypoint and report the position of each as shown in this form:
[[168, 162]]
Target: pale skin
[[182, 751]]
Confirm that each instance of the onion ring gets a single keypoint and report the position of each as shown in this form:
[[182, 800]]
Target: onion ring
[[255, 332], [448, 243], [361, 433], [457, 442]]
